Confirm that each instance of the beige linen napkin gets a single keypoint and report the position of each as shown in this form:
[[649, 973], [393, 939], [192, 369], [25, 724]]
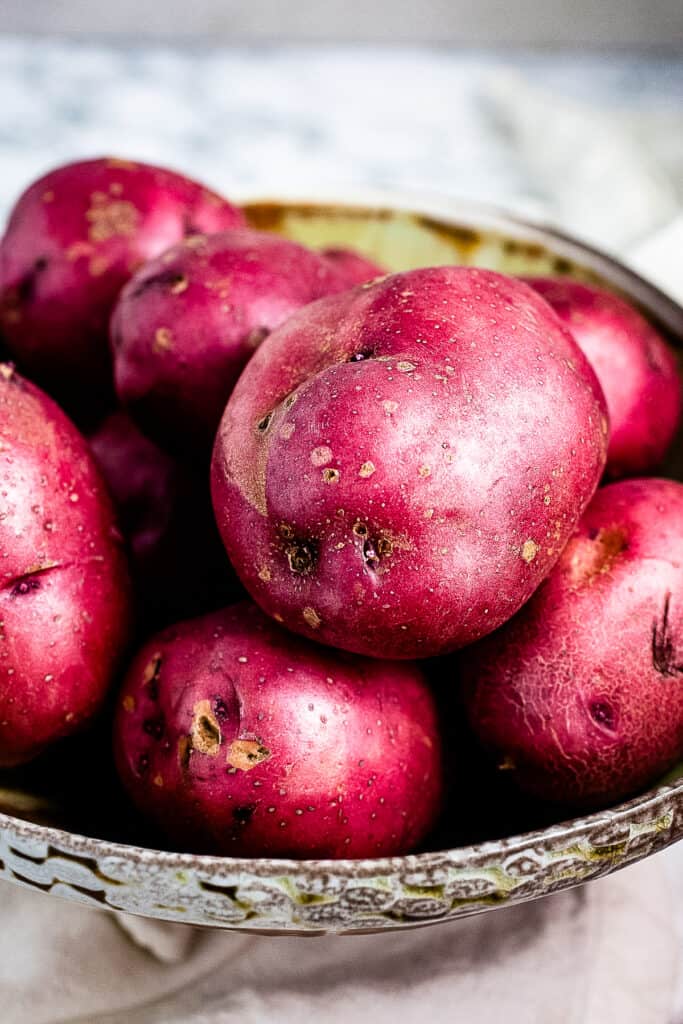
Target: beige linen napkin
[[605, 952]]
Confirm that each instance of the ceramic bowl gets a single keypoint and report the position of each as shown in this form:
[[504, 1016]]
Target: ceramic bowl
[[65, 832]]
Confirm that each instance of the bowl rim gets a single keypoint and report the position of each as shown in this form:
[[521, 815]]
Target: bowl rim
[[571, 828], [455, 212]]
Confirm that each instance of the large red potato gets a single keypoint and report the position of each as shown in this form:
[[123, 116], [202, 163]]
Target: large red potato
[[63, 587], [72, 241], [580, 696], [187, 323], [400, 466], [236, 737], [637, 370], [178, 563]]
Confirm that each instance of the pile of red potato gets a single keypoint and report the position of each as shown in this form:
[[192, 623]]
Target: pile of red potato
[[398, 466]]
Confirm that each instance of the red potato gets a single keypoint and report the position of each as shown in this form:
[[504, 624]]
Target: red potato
[[72, 241], [178, 562], [400, 466], [637, 370], [188, 322], [237, 738], [580, 696], [64, 589], [356, 268]]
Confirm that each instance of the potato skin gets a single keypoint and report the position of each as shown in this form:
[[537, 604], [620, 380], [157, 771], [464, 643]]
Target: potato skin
[[178, 563], [64, 584], [400, 466], [188, 322], [356, 268], [237, 738], [580, 696], [73, 239], [637, 370]]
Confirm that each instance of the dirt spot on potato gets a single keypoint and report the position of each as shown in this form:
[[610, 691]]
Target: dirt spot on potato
[[311, 617], [529, 551], [366, 470], [110, 218], [331, 476], [163, 340], [665, 659], [206, 732], [128, 703], [245, 754]]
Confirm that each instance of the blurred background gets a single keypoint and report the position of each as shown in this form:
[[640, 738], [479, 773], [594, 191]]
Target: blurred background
[[572, 112]]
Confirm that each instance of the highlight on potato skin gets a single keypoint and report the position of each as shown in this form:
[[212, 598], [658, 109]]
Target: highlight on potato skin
[[73, 239], [65, 593], [580, 695], [236, 737], [637, 370], [400, 466]]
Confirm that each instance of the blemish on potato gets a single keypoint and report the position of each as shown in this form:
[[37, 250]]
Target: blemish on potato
[[404, 366], [152, 668], [111, 218], [529, 550], [595, 556], [119, 164], [286, 430], [321, 455], [184, 751], [264, 423], [205, 731], [158, 781], [245, 754], [424, 471], [312, 618], [128, 703], [48, 196], [389, 407], [77, 250], [366, 470], [179, 285], [264, 574], [301, 557], [331, 476], [163, 339]]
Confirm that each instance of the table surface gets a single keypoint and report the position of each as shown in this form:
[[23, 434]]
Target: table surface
[[258, 118]]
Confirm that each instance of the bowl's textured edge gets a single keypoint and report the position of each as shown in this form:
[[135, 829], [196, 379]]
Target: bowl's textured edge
[[318, 897], [284, 896]]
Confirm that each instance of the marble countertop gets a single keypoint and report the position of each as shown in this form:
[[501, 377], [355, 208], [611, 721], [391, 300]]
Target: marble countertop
[[493, 127]]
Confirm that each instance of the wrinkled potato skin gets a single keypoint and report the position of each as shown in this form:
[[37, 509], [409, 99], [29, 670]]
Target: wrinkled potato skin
[[72, 241], [63, 583], [188, 322], [237, 738], [400, 466], [580, 696], [637, 370]]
